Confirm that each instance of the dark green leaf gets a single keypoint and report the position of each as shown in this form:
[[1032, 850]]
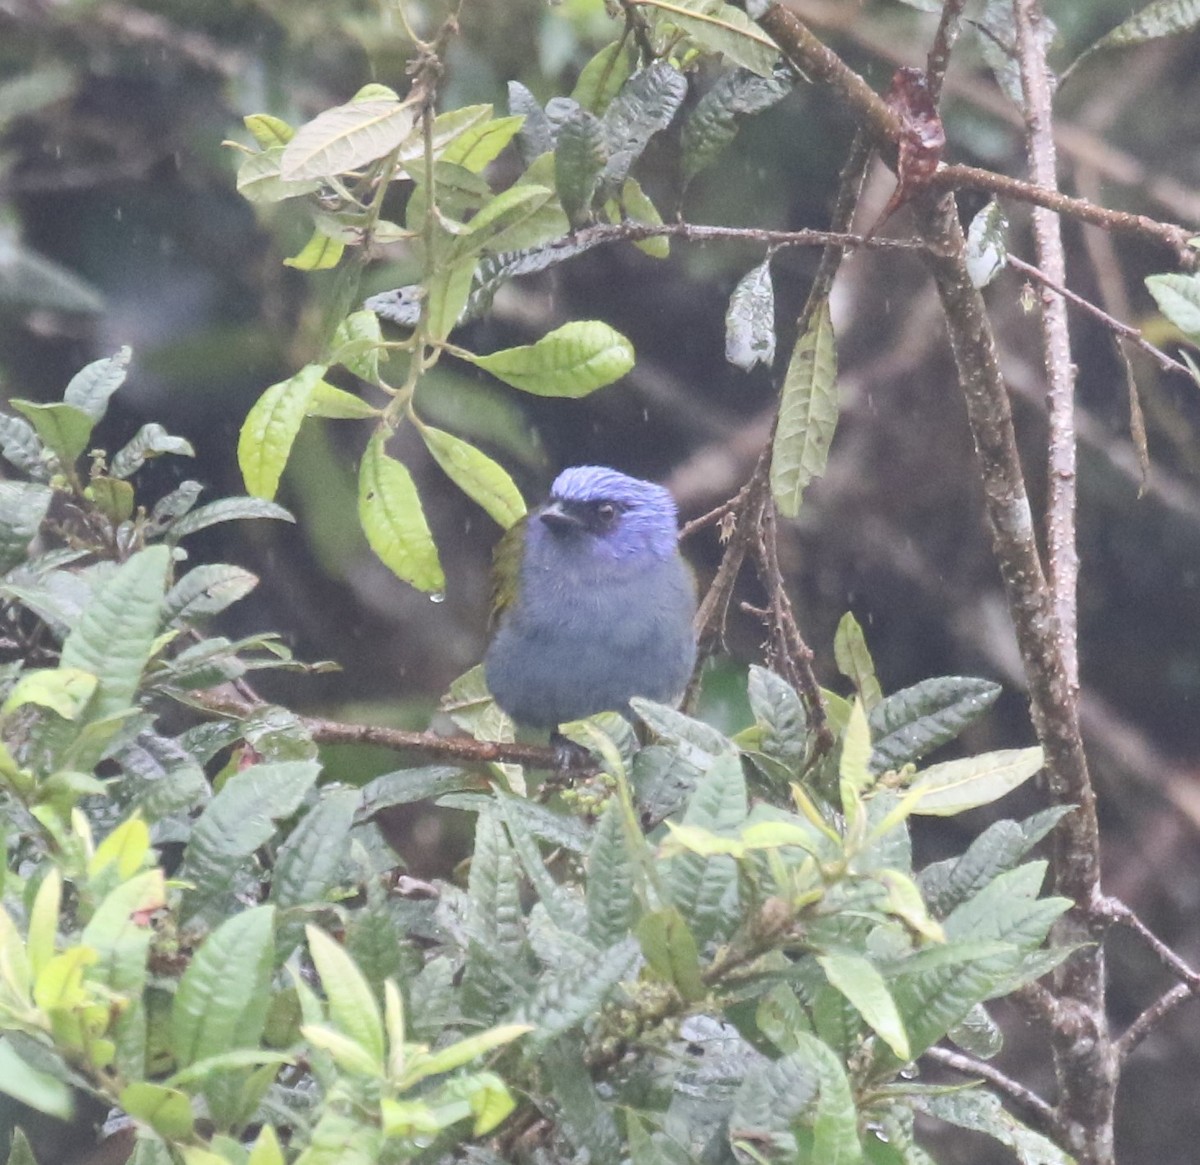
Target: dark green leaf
[[535, 137], [670, 949], [207, 590], [222, 999], [913, 722], [646, 104], [712, 125], [579, 158], [90, 388], [21, 446], [23, 505], [30, 1086], [227, 510], [405, 786], [611, 887], [149, 441]]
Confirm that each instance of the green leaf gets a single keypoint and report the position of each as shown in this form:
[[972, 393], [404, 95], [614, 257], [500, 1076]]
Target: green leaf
[[259, 180], [42, 930], [936, 988], [637, 208], [854, 661], [1178, 298], [207, 590], [64, 429], [580, 156], [357, 344], [23, 506], [854, 765], [576, 994], [983, 1112], [65, 690], [750, 320], [571, 361], [987, 244], [646, 104], [342, 1139], [978, 1034], [112, 497], [267, 1150], [770, 1098], [21, 446], [31, 1086], [1008, 910], [353, 1008], [675, 725], [90, 388], [861, 983], [222, 999], [602, 77], [808, 413], [116, 633], [704, 888], [320, 253], [535, 137], [997, 849], [780, 719], [501, 214], [712, 125], [393, 520], [446, 295], [227, 510], [267, 130], [120, 933], [1158, 19], [611, 879], [670, 949], [405, 786], [480, 144], [913, 722], [167, 1111], [336, 404], [494, 889], [239, 819], [835, 1120], [307, 864], [19, 1151], [270, 429], [346, 137], [460, 1052], [722, 28], [958, 785], [477, 475]]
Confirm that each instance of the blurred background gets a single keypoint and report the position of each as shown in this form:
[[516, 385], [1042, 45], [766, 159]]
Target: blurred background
[[120, 224]]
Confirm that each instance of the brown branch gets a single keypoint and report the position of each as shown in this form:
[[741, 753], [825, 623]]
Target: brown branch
[[1151, 1018], [1036, 1112], [1122, 329], [459, 749], [1063, 553], [1118, 912], [938, 60], [1175, 238]]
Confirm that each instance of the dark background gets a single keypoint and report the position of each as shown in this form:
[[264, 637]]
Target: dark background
[[120, 224]]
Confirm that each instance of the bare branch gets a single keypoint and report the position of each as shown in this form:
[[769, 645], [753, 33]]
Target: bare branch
[[943, 43], [1063, 556], [1124, 330], [1151, 1018], [1036, 1112]]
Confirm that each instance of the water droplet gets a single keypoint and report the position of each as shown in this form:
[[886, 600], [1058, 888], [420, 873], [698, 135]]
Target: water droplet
[[438, 597]]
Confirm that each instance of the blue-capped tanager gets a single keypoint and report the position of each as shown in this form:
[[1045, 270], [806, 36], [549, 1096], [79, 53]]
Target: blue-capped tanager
[[593, 602]]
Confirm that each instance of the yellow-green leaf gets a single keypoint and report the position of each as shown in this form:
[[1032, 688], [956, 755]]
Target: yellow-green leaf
[[267, 130], [863, 985], [337, 404], [320, 253], [267, 1150], [808, 412], [65, 690], [393, 520], [571, 361], [167, 1111], [958, 785], [270, 429], [476, 146], [346, 137], [43, 922], [477, 475]]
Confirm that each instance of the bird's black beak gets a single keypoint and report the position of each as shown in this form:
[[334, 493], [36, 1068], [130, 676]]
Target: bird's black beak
[[560, 519]]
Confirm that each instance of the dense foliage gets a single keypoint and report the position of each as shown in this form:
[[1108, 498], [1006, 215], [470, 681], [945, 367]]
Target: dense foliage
[[716, 948]]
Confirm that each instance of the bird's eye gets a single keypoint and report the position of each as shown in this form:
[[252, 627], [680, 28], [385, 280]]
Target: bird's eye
[[606, 512]]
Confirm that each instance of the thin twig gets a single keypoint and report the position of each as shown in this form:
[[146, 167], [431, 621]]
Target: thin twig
[[1119, 912], [460, 749], [1032, 1108], [1151, 1018], [1063, 555], [1122, 329], [943, 43]]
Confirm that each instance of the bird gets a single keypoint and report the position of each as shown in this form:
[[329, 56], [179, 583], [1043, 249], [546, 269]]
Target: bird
[[593, 602]]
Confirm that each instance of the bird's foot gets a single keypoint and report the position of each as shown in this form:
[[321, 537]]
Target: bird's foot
[[570, 755]]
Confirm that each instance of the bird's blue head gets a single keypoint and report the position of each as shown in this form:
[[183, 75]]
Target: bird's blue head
[[617, 516]]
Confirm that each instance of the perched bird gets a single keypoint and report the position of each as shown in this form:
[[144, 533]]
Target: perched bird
[[594, 602]]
